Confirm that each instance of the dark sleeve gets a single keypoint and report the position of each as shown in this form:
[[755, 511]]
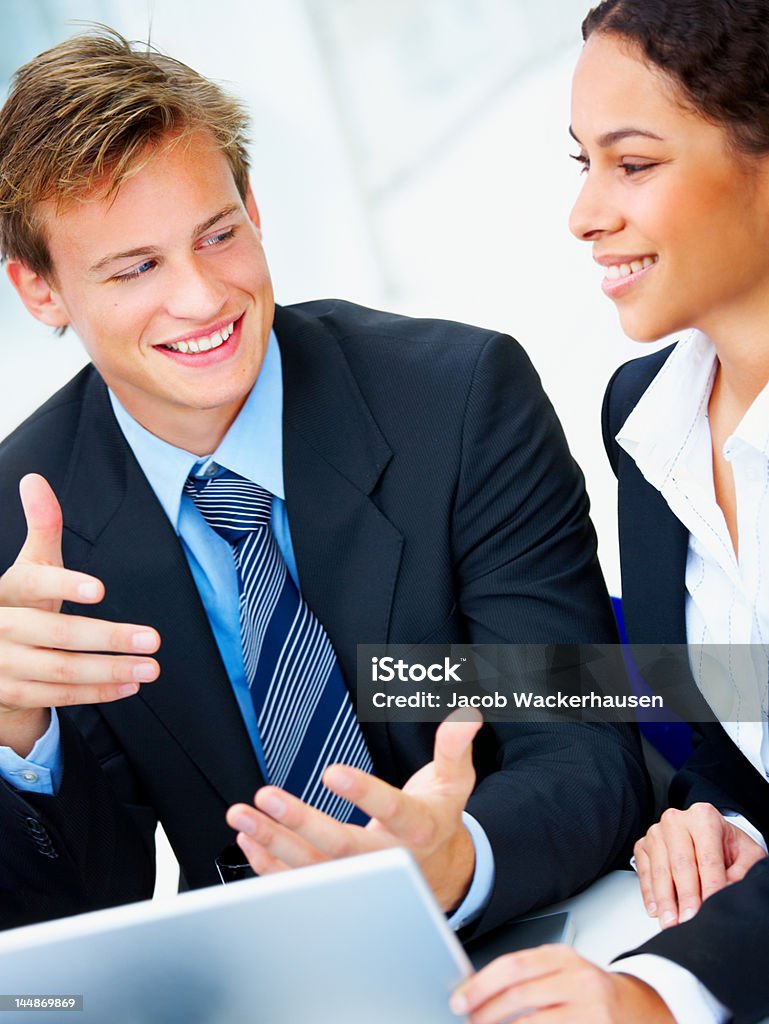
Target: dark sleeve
[[75, 851], [561, 803], [718, 773], [725, 945]]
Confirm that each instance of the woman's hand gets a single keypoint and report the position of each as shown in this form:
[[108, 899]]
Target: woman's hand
[[686, 857]]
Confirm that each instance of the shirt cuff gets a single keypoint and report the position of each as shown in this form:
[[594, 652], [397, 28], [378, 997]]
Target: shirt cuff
[[479, 892], [750, 830], [40, 770], [686, 997]]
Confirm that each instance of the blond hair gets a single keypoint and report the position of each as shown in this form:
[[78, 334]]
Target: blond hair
[[89, 112]]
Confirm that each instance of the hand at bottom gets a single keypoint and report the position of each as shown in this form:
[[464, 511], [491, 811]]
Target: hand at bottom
[[554, 985]]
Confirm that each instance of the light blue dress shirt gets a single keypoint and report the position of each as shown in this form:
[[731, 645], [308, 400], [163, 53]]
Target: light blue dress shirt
[[213, 569]]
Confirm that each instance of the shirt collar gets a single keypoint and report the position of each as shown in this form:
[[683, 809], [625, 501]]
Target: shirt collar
[[656, 432], [753, 428], [261, 461]]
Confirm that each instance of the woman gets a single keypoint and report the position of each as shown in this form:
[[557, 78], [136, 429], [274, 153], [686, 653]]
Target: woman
[[671, 115]]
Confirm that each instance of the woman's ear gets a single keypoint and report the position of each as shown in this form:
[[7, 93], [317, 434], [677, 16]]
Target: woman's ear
[[42, 301]]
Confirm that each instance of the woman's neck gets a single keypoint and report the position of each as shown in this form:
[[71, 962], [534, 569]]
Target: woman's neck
[[743, 371]]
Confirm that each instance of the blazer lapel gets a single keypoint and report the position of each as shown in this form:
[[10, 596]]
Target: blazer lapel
[[654, 547], [654, 552], [126, 540], [347, 553]]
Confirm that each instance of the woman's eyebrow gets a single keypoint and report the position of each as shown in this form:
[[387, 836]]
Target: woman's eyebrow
[[619, 135]]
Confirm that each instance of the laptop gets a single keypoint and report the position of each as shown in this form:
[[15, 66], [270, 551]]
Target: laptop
[[338, 943]]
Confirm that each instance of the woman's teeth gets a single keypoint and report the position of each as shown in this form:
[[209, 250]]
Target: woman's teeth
[[617, 270]]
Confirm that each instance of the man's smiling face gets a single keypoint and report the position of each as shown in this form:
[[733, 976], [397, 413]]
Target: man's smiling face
[[167, 286]]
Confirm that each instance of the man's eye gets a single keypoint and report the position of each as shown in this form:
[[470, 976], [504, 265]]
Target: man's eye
[[581, 159], [136, 271], [218, 238]]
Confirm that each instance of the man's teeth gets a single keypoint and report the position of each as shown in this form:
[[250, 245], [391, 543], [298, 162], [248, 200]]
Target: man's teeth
[[210, 341], [615, 271]]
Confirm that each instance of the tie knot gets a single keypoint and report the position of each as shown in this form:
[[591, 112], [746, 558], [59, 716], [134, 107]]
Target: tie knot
[[229, 504]]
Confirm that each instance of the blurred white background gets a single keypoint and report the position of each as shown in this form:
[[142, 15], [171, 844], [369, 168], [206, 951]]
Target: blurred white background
[[408, 154]]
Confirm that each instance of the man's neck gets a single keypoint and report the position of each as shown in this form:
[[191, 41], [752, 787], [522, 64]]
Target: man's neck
[[198, 431]]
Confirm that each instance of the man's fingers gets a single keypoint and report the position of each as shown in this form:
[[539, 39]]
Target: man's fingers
[[404, 813], [318, 831], [261, 861], [30, 694], [28, 583], [508, 975], [401, 814], [277, 837], [44, 521], [34, 664], [453, 748], [51, 630]]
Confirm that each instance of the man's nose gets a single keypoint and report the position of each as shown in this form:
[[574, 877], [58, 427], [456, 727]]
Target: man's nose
[[195, 292]]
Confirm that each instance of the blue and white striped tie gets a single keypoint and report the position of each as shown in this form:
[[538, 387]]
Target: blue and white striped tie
[[304, 712]]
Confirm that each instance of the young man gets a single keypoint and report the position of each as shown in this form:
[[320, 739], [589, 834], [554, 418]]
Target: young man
[[413, 486]]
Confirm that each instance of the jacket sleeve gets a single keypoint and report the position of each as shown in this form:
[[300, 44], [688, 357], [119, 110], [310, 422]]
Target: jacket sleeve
[[561, 803], [725, 945], [76, 851]]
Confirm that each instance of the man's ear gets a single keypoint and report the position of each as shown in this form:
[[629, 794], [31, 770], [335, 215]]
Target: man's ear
[[253, 211], [42, 301]]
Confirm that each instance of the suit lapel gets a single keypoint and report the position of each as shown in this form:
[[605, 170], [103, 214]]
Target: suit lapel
[[348, 554], [654, 551], [125, 538], [654, 547]]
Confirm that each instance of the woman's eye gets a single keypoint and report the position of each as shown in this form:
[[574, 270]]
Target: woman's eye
[[581, 159], [631, 169], [136, 271]]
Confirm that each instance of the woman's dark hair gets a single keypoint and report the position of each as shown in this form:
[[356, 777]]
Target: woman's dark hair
[[717, 51]]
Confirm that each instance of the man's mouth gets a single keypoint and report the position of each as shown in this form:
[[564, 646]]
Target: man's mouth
[[202, 344]]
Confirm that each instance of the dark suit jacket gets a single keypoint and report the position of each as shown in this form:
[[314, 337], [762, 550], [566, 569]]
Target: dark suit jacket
[[431, 498], [726, 944]]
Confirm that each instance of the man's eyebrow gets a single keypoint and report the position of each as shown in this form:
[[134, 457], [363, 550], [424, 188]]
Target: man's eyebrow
[[151, 250], [612, 138], [201, 228], [142, 250]]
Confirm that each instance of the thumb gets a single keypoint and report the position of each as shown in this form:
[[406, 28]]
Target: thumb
[[44, 522], [746, 856], [453, 753]]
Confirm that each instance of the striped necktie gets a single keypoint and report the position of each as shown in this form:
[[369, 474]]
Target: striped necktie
[[305, 716]]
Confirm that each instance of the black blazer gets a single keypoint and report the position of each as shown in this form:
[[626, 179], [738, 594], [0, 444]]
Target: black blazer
[[431, 498], [653, 548]]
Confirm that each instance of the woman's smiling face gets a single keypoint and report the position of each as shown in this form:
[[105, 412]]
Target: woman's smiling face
[[676, 216]]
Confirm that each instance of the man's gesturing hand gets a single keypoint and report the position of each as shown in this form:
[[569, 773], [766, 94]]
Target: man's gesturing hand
[[281, 832], [686, 857], [42, 659]]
